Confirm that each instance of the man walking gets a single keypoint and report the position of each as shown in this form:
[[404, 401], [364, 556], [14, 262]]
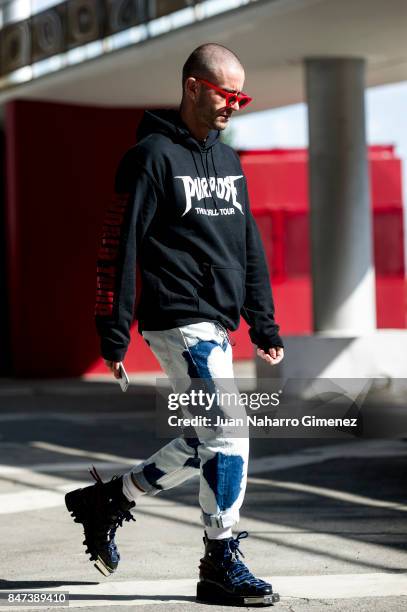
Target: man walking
[[182, 214]]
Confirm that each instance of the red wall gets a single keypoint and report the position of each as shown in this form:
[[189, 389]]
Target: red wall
[[278, 187], [61, 161]]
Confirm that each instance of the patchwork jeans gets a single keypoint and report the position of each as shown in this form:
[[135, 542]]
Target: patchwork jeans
[[200, 351]]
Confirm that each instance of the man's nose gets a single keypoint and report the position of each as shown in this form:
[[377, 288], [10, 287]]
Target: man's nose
[[235, 106]]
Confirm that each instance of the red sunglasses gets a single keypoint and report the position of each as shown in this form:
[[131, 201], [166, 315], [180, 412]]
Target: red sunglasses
[[231, 98]]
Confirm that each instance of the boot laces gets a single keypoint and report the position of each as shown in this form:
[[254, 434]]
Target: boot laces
[[113, 517], [95, 475], [237, 571], [234, 544]]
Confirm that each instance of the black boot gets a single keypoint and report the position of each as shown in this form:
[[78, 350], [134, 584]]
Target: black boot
[[225, 579], [101, 508]]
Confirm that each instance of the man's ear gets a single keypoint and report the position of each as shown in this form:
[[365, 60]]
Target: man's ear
[[191, 88]]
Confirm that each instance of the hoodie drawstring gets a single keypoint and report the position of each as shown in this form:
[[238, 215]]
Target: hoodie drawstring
[[207, 175], [213, 164], [197, 171]]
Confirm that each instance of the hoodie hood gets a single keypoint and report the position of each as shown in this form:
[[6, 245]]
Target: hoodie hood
[[169, 123]]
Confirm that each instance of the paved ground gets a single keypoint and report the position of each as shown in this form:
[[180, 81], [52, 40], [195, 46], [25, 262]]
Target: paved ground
[[327, 519]]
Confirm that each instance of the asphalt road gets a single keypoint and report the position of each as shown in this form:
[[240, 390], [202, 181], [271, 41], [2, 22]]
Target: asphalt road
[[326, 518]]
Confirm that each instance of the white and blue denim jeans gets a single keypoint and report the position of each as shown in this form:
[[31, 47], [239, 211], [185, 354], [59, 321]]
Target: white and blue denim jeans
[[186, 354]]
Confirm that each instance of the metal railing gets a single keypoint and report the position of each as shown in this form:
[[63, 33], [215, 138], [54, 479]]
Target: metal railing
[[30, 34], [42, 36]]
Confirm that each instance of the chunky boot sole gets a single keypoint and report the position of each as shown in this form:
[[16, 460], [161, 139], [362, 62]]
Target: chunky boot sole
[[212, 593], [103, 568], [76, 505]]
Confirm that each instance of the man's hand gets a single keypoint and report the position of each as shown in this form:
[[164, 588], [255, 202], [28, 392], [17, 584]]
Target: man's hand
[[113, 367], [273, 356]]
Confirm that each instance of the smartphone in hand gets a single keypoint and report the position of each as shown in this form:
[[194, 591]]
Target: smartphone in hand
[[124, 379]]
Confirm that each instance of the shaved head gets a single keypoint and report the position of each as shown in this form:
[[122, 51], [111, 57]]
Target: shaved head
[[206, 60]]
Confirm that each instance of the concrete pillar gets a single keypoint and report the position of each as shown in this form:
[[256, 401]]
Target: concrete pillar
[[341, 227]]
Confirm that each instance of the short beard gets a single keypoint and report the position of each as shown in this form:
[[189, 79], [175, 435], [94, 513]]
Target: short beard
[[205, 116]]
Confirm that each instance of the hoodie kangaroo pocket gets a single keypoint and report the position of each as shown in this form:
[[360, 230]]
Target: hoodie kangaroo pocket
[[177, 301], [180, 298], [224, 289]]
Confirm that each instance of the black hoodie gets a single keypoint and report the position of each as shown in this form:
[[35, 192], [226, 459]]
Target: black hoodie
[[182, 215]]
